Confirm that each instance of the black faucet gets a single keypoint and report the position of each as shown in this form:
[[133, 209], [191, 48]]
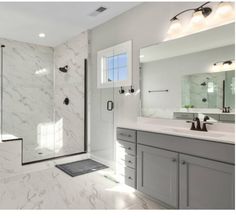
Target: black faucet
[[198, 127], [205, 122]]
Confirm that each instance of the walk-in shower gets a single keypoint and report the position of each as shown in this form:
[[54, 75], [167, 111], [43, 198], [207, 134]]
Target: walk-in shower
[[33, 93]]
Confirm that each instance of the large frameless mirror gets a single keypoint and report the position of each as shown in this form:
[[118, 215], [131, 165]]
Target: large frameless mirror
[[190, 76]]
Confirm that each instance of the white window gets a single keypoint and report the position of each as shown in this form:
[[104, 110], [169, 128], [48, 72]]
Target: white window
[[115, 66]]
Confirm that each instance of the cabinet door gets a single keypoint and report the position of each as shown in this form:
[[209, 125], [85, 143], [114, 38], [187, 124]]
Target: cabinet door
[[205, 184], [157, 174]]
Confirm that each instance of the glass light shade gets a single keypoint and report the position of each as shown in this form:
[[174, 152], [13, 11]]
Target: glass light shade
[[224, 10], [220, 67], [217, 67], [228, 67], [175, 27], [198, 20]]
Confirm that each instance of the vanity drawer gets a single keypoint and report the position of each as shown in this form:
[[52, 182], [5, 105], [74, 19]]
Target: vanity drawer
[[227, 117], [128, 177], [209, 149], [127, 160], [124, 147], [126, 134]]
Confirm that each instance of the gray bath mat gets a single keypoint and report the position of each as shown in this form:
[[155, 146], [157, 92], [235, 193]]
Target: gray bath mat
[[81, 167]]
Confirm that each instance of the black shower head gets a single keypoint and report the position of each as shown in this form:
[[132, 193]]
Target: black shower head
[[64, 69]]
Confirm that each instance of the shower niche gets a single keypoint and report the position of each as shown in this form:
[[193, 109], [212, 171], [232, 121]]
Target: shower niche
[[33, 91]]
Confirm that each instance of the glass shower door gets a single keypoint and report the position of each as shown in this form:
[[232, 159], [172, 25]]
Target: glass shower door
[[27, 102], [102, 112]]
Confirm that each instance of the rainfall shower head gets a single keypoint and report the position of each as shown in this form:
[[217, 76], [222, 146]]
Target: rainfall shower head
[[64, 69]]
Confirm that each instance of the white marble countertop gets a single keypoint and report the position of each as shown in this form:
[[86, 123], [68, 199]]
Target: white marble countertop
[[225, 134]]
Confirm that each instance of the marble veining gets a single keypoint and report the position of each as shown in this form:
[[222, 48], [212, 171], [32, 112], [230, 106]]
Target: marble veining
[[33, 94], [27, 89], [53, 189], [71, 85], [43, 186]]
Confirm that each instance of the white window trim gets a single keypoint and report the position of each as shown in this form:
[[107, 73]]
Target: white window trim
[[125, 47]]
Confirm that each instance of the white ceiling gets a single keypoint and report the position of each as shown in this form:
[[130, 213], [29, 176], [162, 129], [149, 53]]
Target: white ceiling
[[60, 21]]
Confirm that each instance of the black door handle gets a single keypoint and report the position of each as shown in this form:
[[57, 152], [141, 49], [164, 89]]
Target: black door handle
[[110, 105]]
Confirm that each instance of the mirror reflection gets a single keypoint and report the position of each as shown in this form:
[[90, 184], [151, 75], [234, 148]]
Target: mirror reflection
[[190, 76]]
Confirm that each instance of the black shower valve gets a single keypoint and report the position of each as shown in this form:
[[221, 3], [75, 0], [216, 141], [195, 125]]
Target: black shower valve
[[121, 91], [64, 69], [131, 90], [66, 101]]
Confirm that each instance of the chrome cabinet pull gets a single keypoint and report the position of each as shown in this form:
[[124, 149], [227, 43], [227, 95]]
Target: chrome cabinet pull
[[130, 177], [129, 161], [183, 162], [129, 148], [174, 160]]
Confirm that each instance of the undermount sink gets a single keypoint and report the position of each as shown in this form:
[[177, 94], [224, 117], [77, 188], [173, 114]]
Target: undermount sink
[[193, 132]]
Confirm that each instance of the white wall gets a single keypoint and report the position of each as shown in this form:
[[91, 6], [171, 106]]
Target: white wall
[[145, 25]]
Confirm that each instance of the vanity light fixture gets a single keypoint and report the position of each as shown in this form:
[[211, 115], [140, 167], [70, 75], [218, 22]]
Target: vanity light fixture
[[198, 18], [175, 26], [228, 65], [223, 66], [224, 10]]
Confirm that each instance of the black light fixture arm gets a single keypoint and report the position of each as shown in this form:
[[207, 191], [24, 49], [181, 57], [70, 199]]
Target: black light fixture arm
[[175, 17], [200, 8], [224, 62]]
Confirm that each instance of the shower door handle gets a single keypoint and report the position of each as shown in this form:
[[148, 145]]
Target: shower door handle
[[110, 105]]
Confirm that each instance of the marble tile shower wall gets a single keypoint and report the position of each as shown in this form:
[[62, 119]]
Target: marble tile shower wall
[[71, 85], [195, 92], [27, 89], [34, 90]]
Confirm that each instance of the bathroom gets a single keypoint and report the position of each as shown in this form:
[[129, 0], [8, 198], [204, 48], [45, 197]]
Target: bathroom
[[142, 91]]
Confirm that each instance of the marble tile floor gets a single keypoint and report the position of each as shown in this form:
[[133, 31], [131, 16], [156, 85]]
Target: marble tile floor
[[52, 189]]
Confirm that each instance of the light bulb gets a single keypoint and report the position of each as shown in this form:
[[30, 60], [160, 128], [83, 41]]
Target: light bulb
[[175, 27], [42, 35], [216, 67], [198, 20], [224, 10]]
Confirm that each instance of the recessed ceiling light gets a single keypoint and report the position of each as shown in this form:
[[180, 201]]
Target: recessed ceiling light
[[42, 35]]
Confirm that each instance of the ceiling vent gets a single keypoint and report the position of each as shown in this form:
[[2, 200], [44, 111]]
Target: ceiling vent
[[98, 11]]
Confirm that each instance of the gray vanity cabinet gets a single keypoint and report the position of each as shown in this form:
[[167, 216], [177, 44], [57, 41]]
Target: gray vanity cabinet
[[157, 172], [205, 184], [126, 156]]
